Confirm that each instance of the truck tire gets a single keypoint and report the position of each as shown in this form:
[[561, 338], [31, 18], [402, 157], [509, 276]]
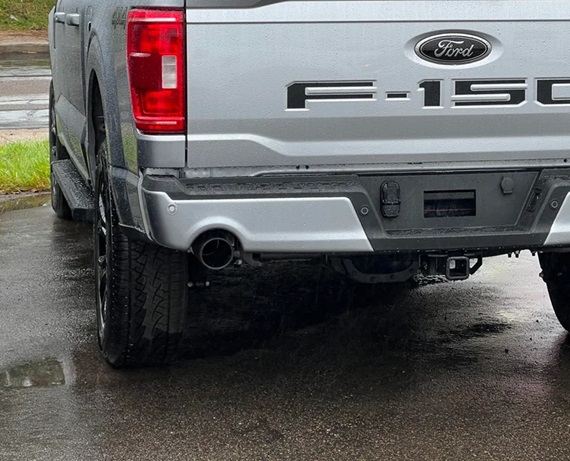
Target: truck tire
[[556, 274], [141, 288], [57, 152]]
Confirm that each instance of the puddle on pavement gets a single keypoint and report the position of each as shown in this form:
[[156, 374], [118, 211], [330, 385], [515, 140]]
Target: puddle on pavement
[[21, 203], [477, 330], [48, 372], [18, 65]]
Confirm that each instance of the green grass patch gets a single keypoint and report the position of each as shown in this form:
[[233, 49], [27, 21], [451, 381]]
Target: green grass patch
[[24, 14], [24, 167]]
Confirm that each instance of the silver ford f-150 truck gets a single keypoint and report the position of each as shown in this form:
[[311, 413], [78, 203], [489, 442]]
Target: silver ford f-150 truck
[[382, 137]]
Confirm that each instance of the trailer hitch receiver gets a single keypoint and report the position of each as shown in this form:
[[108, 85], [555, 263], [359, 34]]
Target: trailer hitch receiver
[[457, 268]]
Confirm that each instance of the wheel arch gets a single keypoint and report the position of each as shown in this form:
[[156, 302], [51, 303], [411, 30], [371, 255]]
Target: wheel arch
[[104, 124], [103, 115]]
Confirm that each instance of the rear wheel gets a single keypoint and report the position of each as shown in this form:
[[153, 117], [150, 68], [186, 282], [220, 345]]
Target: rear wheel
[[556, 274], [141, 288], [57, 152]]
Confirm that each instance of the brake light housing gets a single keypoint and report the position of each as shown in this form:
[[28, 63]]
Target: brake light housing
[[157, 69]]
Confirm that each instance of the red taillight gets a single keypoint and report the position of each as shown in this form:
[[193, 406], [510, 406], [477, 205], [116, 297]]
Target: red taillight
[[156, 65]]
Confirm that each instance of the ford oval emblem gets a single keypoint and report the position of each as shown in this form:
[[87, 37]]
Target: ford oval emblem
[[453, 49]]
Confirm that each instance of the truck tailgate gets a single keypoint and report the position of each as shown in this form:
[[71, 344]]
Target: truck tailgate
[[319, 83]]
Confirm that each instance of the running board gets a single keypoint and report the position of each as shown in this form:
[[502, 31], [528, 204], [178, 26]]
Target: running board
[[78, 195]]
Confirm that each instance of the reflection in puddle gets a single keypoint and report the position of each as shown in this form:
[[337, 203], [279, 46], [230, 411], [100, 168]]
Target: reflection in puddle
[[23, 202], [47, 372]]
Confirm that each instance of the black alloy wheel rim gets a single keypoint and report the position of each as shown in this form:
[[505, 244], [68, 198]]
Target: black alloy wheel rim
[[102, 251]]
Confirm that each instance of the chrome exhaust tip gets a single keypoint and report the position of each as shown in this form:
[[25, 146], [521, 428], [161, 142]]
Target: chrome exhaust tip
[[214, 249]]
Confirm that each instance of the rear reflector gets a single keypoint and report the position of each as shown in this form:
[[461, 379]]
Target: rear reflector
[[156, 67]]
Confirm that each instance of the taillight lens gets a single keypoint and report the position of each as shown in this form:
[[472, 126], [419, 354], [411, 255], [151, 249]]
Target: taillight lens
[[156, 66]]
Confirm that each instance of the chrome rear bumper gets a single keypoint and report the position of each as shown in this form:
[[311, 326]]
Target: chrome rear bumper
[[276, 225]]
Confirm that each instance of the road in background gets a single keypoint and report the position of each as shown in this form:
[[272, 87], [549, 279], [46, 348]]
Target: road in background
[[24, 90], [282, 362]]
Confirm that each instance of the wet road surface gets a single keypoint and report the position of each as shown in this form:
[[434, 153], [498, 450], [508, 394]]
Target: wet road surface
[[24, 94], [285, 362]]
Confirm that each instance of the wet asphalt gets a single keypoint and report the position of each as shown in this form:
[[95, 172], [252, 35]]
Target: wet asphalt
[[283, 362], [24, 93]]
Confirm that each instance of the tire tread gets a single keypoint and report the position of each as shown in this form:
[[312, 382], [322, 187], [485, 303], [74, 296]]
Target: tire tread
[[147, 301]]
